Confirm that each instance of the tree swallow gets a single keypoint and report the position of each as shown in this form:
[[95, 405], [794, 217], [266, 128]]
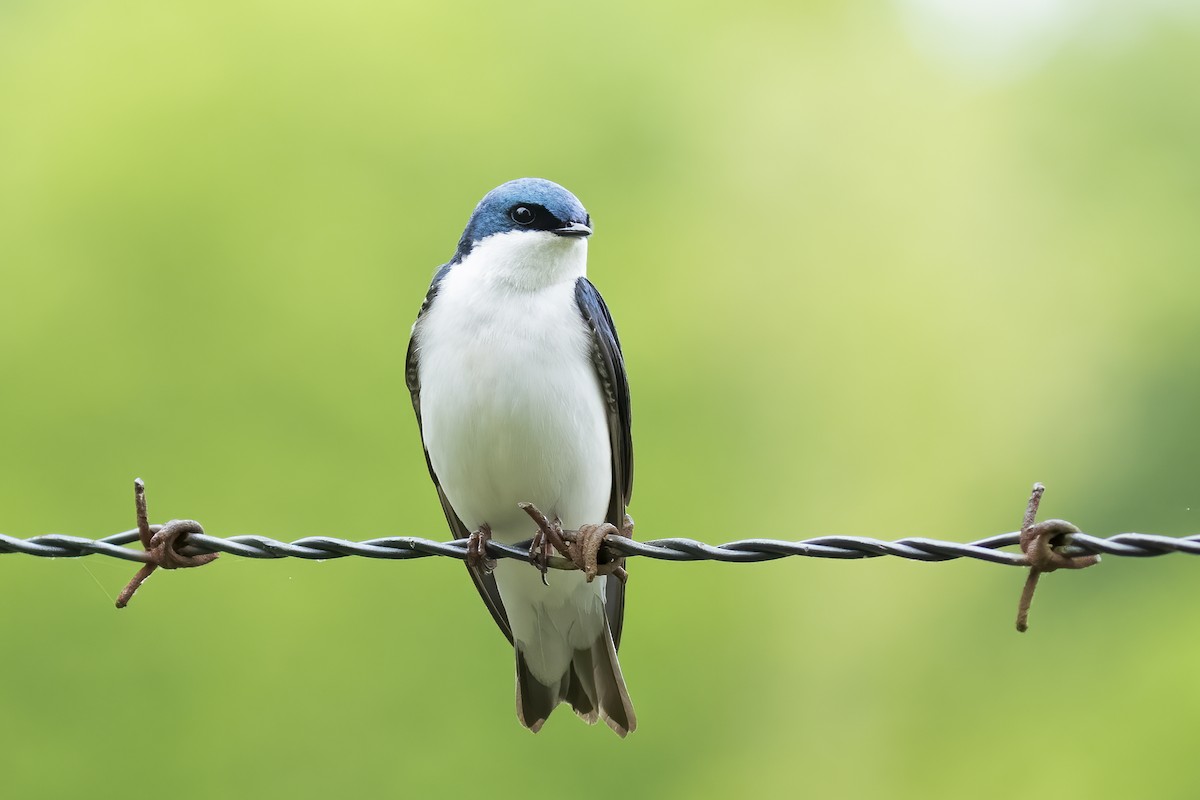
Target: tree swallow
[[518, 381]]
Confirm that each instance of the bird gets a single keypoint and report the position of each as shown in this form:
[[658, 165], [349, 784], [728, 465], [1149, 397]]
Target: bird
[[519, 386]]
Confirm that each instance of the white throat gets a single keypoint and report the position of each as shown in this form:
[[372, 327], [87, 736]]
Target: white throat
[[526, 260]]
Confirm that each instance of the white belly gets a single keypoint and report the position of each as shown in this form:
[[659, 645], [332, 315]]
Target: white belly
[[512, 411]]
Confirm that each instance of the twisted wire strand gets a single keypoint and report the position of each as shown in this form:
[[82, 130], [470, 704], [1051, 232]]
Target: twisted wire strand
[[1045, 547], [319, 548]]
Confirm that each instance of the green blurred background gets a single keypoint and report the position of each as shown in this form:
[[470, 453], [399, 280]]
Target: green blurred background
[[877, 268]]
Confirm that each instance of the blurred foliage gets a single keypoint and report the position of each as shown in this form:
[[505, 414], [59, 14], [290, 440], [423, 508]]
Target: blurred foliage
[[861, 291]]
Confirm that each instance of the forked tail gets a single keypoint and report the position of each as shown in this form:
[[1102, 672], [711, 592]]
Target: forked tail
[[592, 684]]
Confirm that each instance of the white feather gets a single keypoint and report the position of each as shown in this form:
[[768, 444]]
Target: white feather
[[512, 410]]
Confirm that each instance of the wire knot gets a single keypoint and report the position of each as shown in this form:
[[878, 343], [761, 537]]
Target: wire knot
[[581, 549], [1044, 545], [166, 541], [163, 544]]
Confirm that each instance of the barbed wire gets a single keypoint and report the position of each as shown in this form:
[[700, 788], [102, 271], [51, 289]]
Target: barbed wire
[[322, 548], [1045, 547]]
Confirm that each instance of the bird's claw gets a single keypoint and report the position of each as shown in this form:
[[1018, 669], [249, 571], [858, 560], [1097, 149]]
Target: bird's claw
[[549, 534], [477, 557], [581, 547]]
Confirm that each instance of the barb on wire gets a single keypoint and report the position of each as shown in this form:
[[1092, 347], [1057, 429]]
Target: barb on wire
[[1045, 546], [1062, 542], [161, 543]]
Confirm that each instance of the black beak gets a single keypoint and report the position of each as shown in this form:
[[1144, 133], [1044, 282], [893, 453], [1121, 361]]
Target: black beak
[[574, 230]]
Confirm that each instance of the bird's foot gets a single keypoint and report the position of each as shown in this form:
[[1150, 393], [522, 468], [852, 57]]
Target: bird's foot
[[581, 547], [549, 534], [477, 557]]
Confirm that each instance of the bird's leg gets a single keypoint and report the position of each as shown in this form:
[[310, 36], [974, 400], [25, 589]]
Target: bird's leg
[[549, 534], [477, 550], [581, 547]]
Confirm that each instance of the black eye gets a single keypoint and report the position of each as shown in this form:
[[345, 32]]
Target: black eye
[[522, 215]]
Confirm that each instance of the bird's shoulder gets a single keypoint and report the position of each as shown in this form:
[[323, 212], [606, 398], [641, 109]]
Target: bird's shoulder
[[412, 377], [609, 362]]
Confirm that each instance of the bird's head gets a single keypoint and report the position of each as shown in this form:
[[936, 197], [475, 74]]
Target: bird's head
[[528, 228]]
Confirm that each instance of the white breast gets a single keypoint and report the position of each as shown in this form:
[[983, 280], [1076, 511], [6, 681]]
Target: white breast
[[512, 411], [511, 407]]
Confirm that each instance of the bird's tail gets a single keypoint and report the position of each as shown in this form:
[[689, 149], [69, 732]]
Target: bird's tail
[[592, 684]]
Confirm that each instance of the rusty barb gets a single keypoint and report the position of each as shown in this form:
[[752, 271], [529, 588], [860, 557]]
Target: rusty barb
[[162, 544], [1044, 545], [580, 549]]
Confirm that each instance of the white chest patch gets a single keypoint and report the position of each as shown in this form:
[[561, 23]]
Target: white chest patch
[[511, 407], [512, 411]]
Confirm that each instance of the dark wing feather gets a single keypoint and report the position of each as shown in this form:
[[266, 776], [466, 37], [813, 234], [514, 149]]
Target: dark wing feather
[[610, 367], [484, 582]]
